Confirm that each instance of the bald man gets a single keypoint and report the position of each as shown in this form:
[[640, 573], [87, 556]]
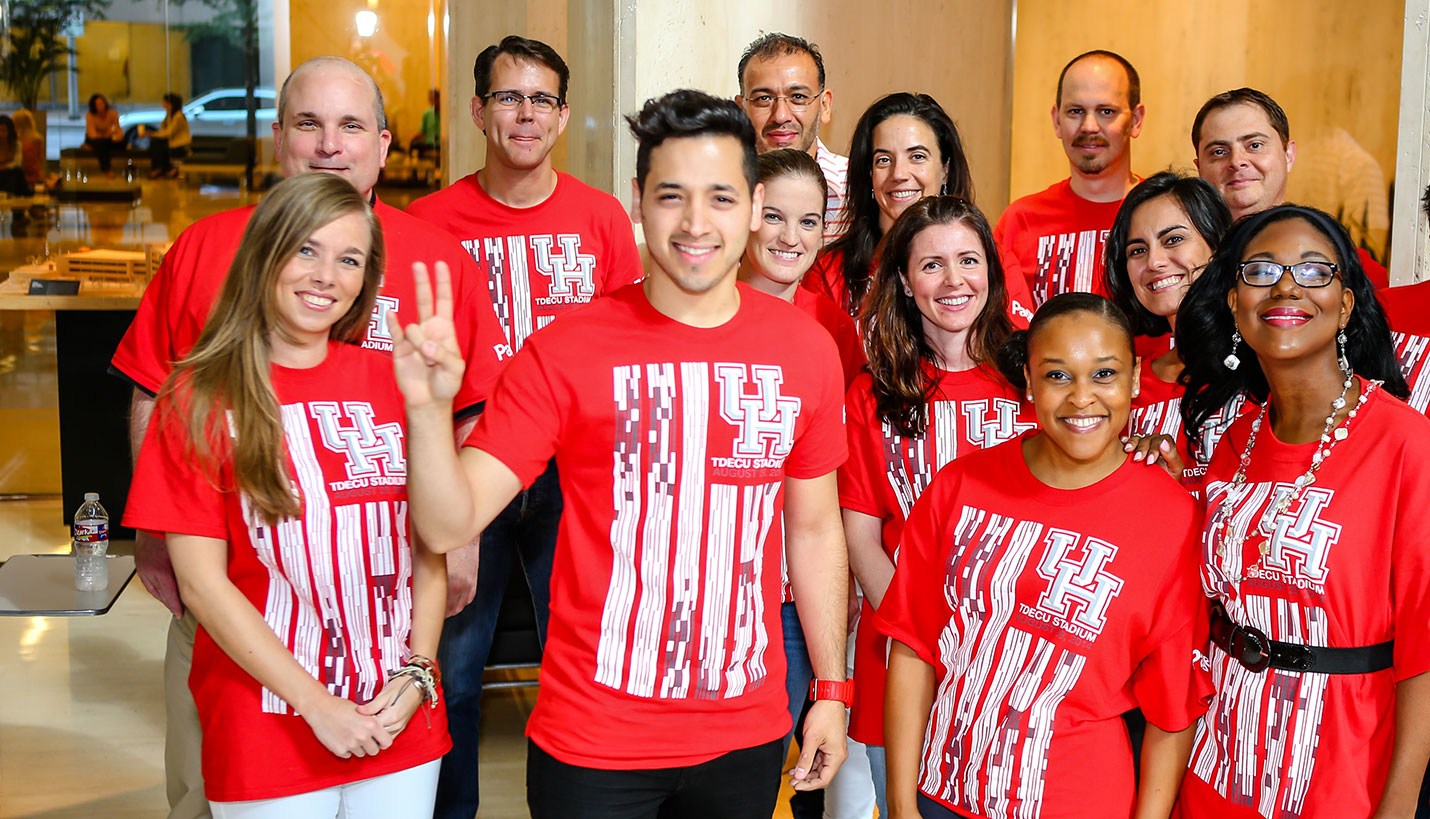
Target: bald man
[[330, 120], [1055, 238]]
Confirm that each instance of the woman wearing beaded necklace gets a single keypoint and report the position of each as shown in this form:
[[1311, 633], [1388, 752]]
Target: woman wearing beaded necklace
[[1314, 549]]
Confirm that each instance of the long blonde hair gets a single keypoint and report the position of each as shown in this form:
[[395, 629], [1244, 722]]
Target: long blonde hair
[[228, 369]]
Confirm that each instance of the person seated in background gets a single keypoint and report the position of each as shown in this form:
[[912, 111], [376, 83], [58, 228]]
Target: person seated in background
[[170, 141], [429, 139], [102, 133], [32, 149], [12, 179]]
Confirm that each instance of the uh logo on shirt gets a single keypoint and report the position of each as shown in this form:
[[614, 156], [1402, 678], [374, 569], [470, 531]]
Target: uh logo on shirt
[[1080, 589], [1299, 554], [764, 419], [373, 452]]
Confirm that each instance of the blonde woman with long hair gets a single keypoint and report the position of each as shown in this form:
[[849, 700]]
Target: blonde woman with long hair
[[276, 469]]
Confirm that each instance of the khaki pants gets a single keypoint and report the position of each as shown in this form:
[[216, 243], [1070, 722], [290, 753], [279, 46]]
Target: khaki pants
[[183, 776]]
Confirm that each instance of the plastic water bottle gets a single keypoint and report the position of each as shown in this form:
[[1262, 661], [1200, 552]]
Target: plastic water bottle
[[91, 541]]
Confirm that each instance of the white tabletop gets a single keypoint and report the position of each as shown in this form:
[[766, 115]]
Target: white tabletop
[[43, 586]]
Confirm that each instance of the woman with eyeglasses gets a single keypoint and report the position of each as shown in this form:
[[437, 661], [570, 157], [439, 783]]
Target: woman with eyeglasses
[[1161, 241], [1314, 550], [905, 147]]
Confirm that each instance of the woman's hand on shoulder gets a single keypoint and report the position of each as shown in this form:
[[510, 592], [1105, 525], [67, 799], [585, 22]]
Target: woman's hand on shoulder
[[425, 355], [1155, 450], [344, 729]]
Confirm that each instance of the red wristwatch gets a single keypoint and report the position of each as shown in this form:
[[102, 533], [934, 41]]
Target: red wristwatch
[[841, 690]]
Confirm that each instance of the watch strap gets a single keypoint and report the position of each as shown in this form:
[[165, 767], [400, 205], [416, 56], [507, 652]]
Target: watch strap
[[840, 690]]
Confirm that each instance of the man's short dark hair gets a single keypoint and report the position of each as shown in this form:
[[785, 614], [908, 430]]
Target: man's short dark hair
[[521, 48], [1134, 82], [686, 113], [1243, 96], [774, 45]]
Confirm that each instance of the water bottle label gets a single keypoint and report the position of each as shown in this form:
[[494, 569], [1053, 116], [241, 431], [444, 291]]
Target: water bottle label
[[91, 532]]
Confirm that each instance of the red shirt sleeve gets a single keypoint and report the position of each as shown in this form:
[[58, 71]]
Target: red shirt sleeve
[[622, 265], [859, 476], [823, 446], [1375, 271], [1410, 563], [525, 417], [914, 610], [171, 493], [1169, 683], [177, 301]]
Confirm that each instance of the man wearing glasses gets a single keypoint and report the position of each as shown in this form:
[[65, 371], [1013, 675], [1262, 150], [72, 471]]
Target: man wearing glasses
[[548, 243], [782, 91]]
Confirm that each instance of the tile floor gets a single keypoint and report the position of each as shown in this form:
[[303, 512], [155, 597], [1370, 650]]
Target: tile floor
[[81, 715]]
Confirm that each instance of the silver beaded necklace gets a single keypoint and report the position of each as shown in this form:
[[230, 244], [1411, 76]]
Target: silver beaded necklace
[[1229, 545]]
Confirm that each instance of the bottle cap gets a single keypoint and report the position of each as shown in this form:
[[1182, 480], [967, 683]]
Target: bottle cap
[[91, 496]]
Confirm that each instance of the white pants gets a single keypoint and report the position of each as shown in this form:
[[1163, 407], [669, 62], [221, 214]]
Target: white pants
[[390, 796]]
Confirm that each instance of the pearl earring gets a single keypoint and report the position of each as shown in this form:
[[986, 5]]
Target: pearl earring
[[1231, 361]]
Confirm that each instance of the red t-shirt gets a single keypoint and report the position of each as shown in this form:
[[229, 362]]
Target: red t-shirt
[[1408, 310], [1054, 241], [1375, 271], [826, 277], [1046, 614], [335, 584], [579, 240], [1157, 410], [673, 443], [887, 472], [840, 326], [1346, 566], [177, 303]]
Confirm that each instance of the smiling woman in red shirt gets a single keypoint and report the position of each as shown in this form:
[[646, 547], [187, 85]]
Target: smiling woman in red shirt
[[1029, 610], [1160, 242], [936, 315], [277, 470], [1314, 548]]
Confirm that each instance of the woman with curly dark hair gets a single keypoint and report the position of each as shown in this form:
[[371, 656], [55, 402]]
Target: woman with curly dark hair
[[1314, 548], [935, 315]]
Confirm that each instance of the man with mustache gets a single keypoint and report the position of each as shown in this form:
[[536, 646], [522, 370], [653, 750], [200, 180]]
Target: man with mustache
[[1055, 238], [545, 244], [782, 91]]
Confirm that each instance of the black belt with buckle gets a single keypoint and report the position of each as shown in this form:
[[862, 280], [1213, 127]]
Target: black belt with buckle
[[1253, 649]]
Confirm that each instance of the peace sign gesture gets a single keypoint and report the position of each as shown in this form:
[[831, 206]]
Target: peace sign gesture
[[425, 356]]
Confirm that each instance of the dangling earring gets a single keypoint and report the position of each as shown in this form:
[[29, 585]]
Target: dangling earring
[[1231, 361], [1341, 352], [943, 189]]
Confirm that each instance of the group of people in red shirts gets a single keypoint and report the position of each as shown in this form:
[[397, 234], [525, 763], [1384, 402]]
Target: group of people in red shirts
[[1143, 445]]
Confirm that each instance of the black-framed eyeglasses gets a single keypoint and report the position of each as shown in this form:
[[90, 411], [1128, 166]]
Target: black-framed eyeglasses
[[797, 101], [544, 103], [1262, 273]]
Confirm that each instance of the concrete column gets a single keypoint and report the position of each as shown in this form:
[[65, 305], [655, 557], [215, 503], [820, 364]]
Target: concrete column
[[1410, 238]]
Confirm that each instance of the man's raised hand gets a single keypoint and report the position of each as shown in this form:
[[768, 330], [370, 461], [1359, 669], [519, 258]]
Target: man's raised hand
[[425, 356]]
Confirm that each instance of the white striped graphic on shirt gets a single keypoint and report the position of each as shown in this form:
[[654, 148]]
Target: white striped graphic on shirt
[[518, 273], [494, 251], [1412, 352], [318, 566], [994, 711], [1256, 746], [684, 615]]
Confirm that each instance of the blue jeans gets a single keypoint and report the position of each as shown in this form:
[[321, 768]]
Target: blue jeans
[[879, 772], [798, 673], [525, 530]]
